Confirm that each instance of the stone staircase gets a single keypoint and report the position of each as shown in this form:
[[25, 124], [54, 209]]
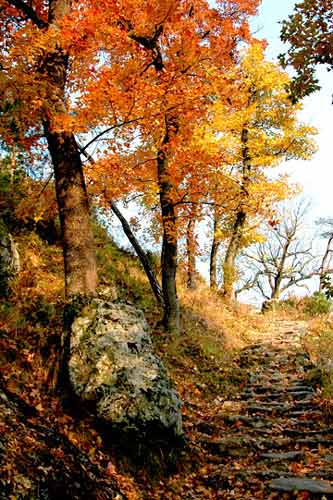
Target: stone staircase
[[275, 442]]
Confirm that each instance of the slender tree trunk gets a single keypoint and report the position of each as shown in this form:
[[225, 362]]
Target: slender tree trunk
[[324, 267], [276, 293], [171, 318], [229, 272], [213, 256], [277, 281], [134, 242], [140, 253], [190, 252]]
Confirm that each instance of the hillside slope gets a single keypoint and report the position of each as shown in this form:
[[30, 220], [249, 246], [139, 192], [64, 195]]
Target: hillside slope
[[48, 436]]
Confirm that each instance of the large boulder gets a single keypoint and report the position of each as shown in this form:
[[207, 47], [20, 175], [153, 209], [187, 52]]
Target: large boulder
[[9, 259], [113, 367]]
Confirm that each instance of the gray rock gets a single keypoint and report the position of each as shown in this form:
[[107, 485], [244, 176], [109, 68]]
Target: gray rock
[[301, 484], [232, 446], [112, 365], [288, 455], [9, 259]]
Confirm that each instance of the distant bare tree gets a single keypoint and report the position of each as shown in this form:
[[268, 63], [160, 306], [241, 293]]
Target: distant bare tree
[[326, 265], [283, 261]]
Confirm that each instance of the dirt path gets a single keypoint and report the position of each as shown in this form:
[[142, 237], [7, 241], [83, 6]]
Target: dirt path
[[275, 443]]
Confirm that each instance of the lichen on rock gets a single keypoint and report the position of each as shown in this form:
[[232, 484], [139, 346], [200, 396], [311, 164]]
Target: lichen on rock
[[113, 366]]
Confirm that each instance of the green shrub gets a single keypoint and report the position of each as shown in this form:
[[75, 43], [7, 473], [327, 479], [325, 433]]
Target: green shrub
[[316, 304]]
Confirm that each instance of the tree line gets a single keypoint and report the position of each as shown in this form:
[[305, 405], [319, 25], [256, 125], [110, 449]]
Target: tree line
[[169, 101]]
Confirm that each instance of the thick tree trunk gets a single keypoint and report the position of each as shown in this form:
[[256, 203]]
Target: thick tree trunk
[[213, 257], [276, 294], [190, 252], [171, 318], [140, 253], [229, 271], [77, 237]]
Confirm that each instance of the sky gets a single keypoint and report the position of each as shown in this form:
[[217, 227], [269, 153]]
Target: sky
[[315, 175]]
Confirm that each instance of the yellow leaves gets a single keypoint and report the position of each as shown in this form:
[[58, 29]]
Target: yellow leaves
[[251, 236]]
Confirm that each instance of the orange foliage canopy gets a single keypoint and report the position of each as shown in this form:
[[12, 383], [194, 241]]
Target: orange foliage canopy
[[131, 64]]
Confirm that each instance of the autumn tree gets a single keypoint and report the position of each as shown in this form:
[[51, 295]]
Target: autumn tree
[[308, 31], [259, 129], [177, 54], [114, 75], [33, 85]]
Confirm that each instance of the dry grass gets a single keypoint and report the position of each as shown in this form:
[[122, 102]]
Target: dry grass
[[319, 344], [319, 341], [234, 322], [41, 271]]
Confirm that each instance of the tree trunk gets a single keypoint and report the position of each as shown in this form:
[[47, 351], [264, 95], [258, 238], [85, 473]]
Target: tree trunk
[[140, 253], [324, 270], [213, 257], [78, 245], [171, 317], [190, 252], [77, 237], [229, 272]]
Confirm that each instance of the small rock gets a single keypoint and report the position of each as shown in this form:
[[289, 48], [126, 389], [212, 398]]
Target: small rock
[[232, 447], [289, 455]]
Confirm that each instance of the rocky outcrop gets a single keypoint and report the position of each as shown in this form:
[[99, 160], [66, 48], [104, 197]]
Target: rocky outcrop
[[113, 367], [9, 259]]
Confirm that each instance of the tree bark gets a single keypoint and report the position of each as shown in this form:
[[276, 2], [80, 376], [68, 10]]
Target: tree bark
[[77, 238], [229, 272], [78, 244], [213, 257], [140, 253], [190, 252], [324, 267], [171, 317]]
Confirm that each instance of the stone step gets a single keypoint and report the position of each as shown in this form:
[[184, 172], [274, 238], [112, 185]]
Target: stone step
[[314, 443], [283, 391], [301, 413], [279, 409], [288, 455], [298, 432], [292, 484]]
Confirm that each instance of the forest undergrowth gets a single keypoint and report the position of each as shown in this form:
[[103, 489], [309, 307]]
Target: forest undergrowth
[[204, 362]]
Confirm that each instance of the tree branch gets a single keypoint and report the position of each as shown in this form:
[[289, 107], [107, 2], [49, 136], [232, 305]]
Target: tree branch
[[29, 12]]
